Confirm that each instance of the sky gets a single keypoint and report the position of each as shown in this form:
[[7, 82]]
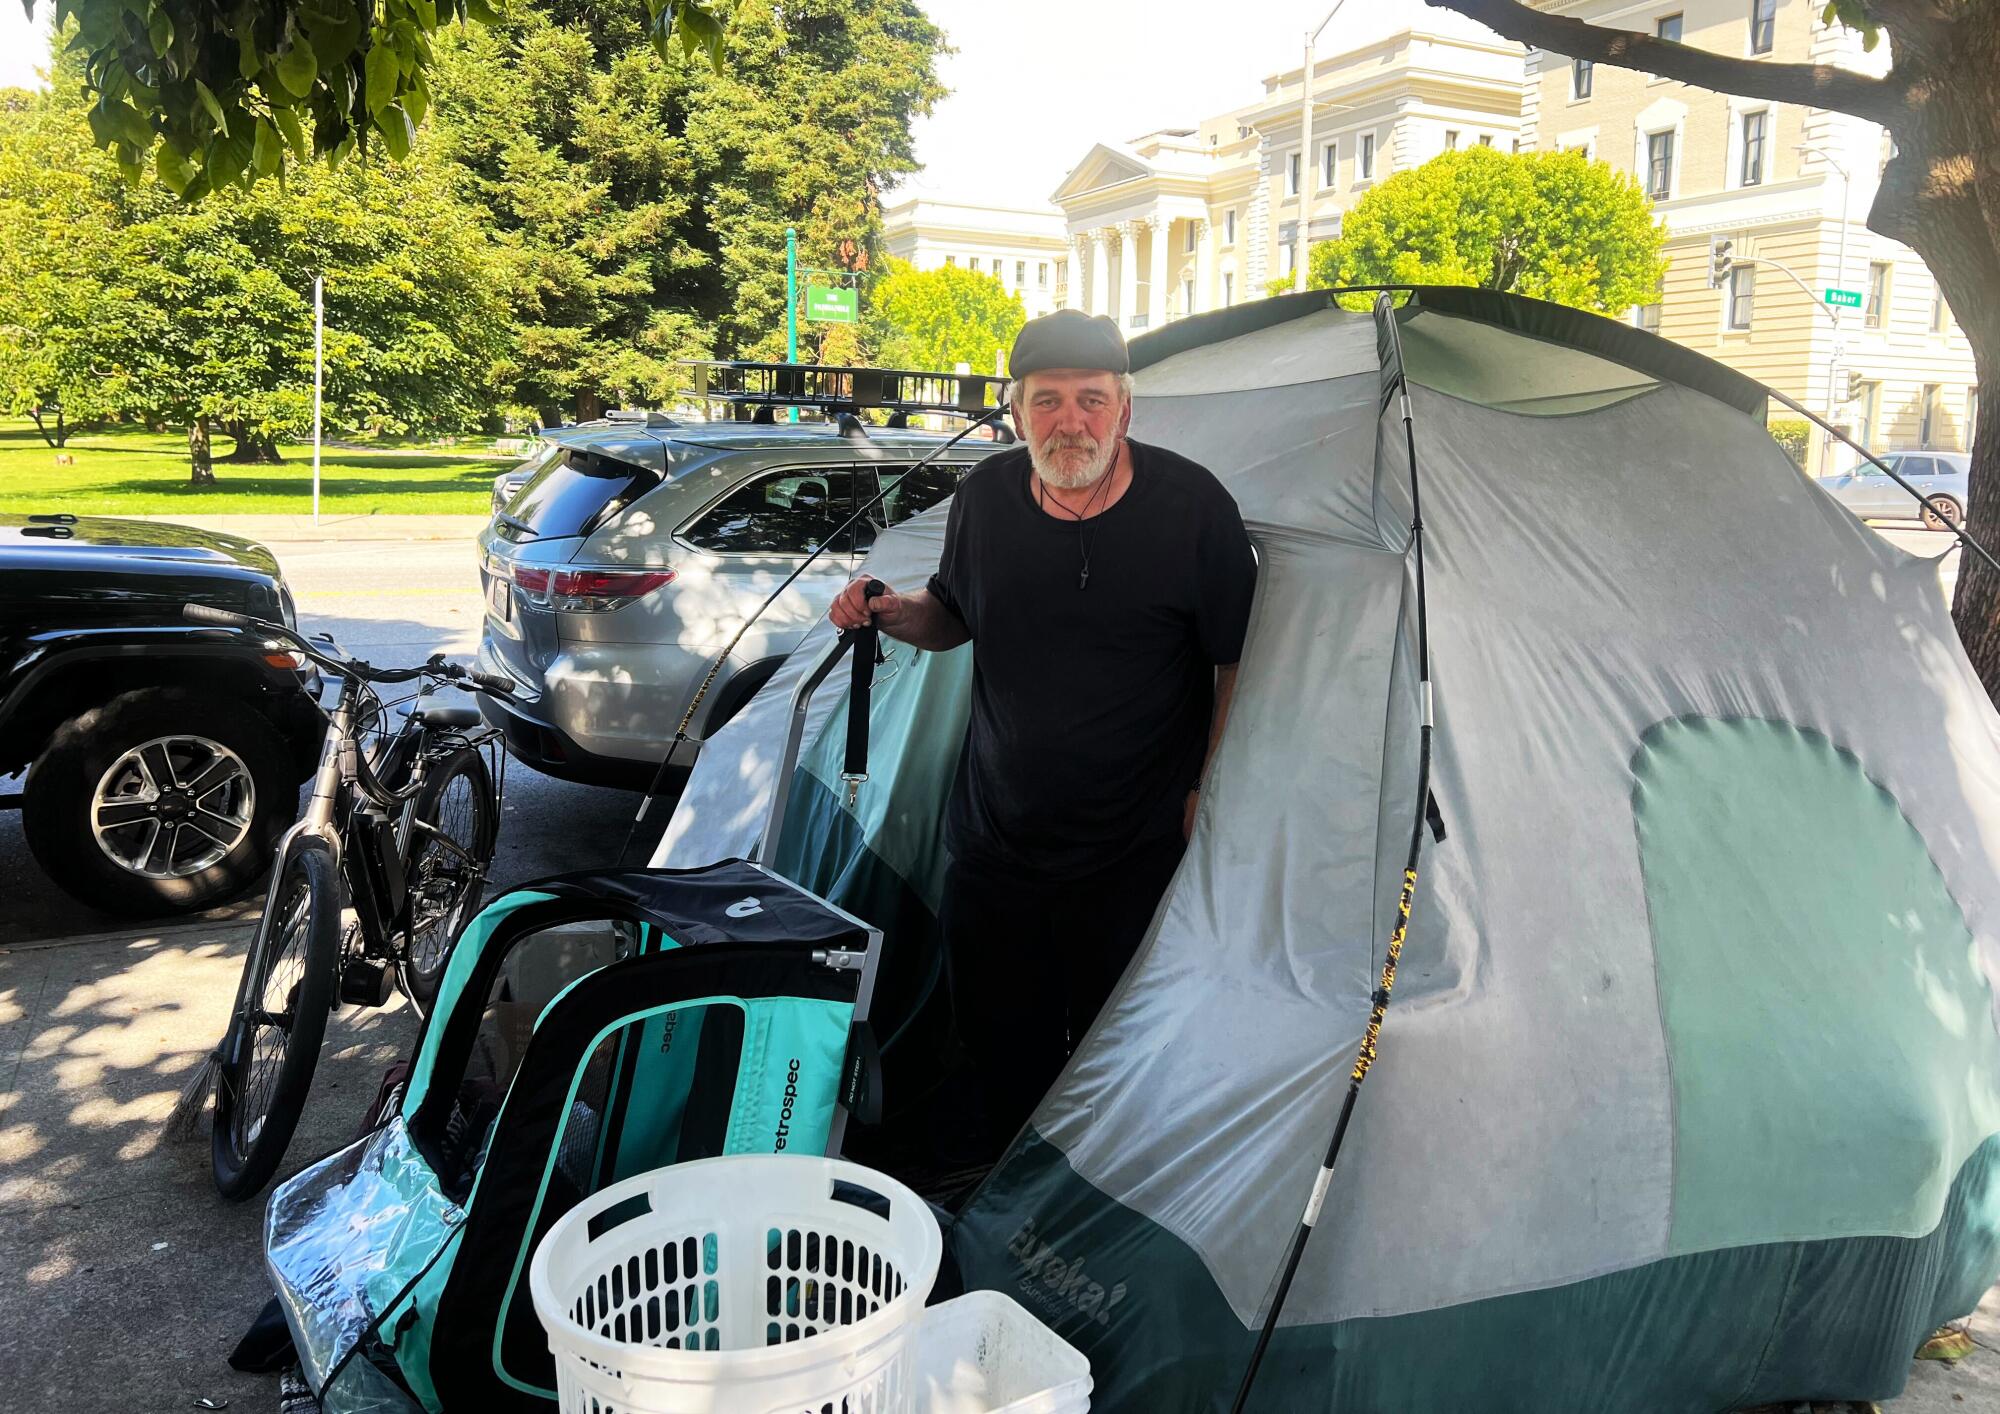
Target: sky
[[1035, 82]]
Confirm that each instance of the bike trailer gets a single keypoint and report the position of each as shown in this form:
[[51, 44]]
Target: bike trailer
[[587, 1028]]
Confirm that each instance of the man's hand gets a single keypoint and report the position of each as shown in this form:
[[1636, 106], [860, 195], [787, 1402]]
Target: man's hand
[[854, 609]]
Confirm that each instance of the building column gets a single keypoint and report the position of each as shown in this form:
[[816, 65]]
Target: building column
[[1128, 272], [1156, 273], [1100, 271], [1204, 267]]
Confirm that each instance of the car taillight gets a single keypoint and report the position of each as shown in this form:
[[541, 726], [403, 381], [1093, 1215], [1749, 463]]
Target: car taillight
[[587, 590]]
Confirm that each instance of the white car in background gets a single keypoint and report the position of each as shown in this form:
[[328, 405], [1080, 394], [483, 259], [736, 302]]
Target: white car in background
[[1872, 495]]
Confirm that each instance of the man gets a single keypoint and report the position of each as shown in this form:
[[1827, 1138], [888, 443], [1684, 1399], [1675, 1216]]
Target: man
[[1105, 586]]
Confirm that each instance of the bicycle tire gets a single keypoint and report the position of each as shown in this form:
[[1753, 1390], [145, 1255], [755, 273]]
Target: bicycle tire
[[429, 946], [258, 1099]]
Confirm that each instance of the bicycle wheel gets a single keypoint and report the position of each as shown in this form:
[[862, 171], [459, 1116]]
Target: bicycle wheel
[[445, 886], [259, 1098]]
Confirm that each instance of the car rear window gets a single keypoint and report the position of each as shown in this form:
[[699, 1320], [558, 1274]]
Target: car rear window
[[575, 492], [790, 512]]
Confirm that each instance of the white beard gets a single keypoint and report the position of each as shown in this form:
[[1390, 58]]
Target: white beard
[[1075, 465]]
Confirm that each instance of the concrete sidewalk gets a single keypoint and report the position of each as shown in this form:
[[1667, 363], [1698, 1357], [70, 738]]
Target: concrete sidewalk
[[130, 1281]]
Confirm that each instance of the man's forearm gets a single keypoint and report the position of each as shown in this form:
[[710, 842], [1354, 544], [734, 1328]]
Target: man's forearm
[[925, 623]]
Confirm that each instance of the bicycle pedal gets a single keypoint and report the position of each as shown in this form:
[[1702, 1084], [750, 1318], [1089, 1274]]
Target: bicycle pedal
[[364, 982]]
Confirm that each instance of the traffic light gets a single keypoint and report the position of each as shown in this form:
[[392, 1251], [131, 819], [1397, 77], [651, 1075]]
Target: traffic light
[[1719, 260]]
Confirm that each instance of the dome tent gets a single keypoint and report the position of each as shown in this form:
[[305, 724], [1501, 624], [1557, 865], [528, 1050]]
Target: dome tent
[[1690, 1092]]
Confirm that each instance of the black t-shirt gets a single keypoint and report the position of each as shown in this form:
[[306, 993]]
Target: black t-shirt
[[1090, 704]]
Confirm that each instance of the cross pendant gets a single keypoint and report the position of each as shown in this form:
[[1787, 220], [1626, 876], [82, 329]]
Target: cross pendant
[[1083, 580]]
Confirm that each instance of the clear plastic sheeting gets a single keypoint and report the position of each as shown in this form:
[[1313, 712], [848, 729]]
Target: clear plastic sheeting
[[344, 1240]]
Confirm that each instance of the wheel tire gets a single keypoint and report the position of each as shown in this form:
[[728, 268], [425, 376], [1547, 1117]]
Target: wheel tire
[[457, 797], [59, 802], [259, 1099], [1954, 514]]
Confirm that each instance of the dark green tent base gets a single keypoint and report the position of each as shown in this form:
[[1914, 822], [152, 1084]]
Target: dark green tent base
[[1836, 1319]]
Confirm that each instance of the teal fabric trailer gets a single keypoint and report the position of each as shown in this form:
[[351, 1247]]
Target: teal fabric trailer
[[588, 1027]]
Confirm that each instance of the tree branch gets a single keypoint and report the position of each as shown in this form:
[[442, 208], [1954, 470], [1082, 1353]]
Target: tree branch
[[1814, 85]]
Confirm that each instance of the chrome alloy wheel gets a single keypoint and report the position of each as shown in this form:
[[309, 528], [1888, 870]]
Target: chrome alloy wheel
[[173, 806]]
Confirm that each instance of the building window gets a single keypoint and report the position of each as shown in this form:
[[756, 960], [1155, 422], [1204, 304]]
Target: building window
[[1187, 295], [1581, 72], [1229, 226], [1287, 258], [1041, 274], [1668, 27], [1329, 158], [1763, 25], [1228, 288], [1864, 416], [1940, 311], [1659, 165], [1928, 416], [1367, 162], [1753, 147], [953, 260], [972, 264], [1878, 295], [1292, 174], [1647, 317], [1451, 139], [1742, 295], [1516, 149], [1486, 139], [1187, 237]]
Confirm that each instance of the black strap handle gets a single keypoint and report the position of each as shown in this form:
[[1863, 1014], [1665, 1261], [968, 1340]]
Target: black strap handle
[[861, 687]]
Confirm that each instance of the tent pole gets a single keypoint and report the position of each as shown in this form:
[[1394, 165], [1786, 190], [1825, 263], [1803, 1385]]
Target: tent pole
[[1964, 538], [1371, 1035]]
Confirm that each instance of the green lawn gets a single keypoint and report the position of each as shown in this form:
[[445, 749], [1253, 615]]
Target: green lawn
[[139, 473]]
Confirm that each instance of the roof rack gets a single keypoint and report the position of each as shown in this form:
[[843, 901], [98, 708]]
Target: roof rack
[[645, 417], [749, 389]]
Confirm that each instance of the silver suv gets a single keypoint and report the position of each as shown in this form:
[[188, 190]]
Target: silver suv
[[637, 545]]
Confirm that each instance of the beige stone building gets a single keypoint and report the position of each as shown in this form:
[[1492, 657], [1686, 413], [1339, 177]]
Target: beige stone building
[[1790, 187], [1025, 249], [1190, 219]]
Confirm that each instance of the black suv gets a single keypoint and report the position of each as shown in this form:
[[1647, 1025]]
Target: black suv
[[163, 759]]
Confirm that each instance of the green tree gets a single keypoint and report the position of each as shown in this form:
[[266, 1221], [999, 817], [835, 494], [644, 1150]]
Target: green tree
[[932, 319], [201, 316], [1550, 225], [1939, 194], [59, 232], [642, 205], [217, 92]]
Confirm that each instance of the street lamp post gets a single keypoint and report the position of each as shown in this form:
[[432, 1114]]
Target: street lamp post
[[1840, 279], [1307, 168]]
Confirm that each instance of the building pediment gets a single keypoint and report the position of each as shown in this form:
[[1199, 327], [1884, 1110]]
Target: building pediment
[[1103, 166]]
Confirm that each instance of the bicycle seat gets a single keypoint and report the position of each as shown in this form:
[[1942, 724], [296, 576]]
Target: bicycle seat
[[436, 712]]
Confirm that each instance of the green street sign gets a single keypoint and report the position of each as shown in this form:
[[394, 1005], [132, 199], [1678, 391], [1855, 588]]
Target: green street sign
[[1844, 299], [830, 306]]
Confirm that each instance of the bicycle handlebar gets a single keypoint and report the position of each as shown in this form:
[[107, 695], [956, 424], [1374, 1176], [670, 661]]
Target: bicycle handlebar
[[337, 662]]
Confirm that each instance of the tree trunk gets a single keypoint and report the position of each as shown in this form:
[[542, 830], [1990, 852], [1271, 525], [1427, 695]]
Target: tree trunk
[[1940, 195], [252, 448], [56, 437], [589, 406], [201, 473]]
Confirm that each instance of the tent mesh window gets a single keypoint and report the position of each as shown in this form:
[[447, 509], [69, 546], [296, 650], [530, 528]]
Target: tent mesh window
[[538, 967]]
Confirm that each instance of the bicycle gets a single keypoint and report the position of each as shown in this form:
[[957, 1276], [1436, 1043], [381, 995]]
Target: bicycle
[[402, 824]]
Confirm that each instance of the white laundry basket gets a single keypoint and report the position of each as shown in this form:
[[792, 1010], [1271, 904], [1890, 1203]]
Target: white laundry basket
[[754, 1284], [983, 1353]]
